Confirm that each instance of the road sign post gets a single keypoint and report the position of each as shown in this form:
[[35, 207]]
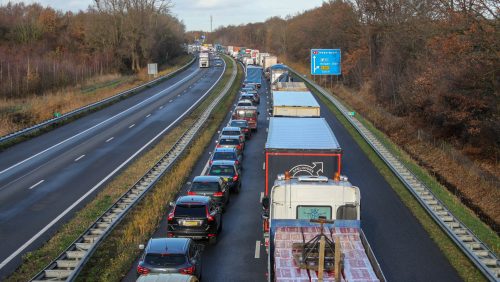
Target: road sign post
[[325, 62]]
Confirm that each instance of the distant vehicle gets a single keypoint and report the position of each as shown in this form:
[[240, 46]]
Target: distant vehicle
[[247, 96], [245, 103], [243, 125], [233, 131], [211, 186], [269, 61], [253, 76], [204, 60], [247, 113], [226, 154], [229, 171], [167, 277], [218, 64], [231, 142], [275, 72], [196, 217], [170, 255]]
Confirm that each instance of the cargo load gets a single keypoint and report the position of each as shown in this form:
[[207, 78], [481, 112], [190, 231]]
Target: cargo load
[[294, 104], [291, 86]]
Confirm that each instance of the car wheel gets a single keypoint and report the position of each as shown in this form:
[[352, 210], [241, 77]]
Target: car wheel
[[212, 240]]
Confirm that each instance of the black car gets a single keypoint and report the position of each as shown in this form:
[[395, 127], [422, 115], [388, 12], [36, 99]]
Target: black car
[[229, 171], [243, 124], [196, 217], [212, 186], [170, 255]]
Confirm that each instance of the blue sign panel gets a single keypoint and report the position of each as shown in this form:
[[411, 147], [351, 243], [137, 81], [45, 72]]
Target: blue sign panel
[[325, 62]]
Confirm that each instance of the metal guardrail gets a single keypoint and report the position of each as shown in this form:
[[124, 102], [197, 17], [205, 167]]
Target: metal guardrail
[[69, 263], [477, 251], [89, 107]]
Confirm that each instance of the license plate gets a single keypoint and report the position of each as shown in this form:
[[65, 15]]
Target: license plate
[[190, 223]]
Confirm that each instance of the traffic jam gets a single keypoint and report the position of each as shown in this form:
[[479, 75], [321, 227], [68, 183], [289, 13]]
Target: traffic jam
[[197, 217]]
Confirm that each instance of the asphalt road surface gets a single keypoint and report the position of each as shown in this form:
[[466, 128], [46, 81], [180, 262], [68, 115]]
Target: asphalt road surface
[[43, 181], [402, 247]]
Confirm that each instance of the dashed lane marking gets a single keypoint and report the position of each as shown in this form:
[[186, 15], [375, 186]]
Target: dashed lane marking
[[36, 184]]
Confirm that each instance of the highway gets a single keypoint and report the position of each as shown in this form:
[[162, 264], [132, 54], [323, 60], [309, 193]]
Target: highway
[[403, 248], [45, 180]]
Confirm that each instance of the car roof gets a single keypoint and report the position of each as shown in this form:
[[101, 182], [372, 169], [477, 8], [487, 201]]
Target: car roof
[[168, 245], [206, 178], [192, 199], [232, 149], [231, 128], [223, 162]]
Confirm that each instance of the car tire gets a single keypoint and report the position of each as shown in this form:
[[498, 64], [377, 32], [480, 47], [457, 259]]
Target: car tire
[[212, 240]]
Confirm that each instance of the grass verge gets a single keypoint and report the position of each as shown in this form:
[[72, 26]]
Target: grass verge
[[70, 231], [465, 268], [32, 111], [120, 250]]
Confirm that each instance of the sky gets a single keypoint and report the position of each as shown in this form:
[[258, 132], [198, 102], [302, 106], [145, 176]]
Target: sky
[[196, 13]]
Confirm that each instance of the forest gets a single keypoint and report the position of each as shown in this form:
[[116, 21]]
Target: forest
[[420, 70], [43, 49]]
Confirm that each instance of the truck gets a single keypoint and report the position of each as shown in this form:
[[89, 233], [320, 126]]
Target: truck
[[260, 59], [253, 76], [269, 61], [254, 54], [291, 213], [291, 86], [275, 72], [247, 61], [248, 113], [302, 146], [294, 104], [204, 60], [230, 50]]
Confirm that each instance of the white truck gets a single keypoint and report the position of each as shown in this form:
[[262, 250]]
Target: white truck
[[269, 61], [293, 239], [294, 104], [261, 57], [204, 60]]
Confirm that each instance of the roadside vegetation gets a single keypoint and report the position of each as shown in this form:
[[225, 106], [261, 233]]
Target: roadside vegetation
[[36, 260], [425, 74], [53, 61]]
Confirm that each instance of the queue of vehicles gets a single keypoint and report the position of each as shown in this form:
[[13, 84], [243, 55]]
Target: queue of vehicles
[[199, 214]]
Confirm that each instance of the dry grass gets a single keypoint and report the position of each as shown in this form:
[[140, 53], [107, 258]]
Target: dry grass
[[36, 260], [16, 114]]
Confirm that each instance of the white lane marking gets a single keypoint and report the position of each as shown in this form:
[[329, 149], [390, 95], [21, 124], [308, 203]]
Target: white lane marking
[[148, 115], [131, 125], [161, 107], [79, 158], [110, 139], [261, 196], [170, 101], [36, 184], [99, 124], [263, 166], [257, 249], [111, 174], [179, 95]]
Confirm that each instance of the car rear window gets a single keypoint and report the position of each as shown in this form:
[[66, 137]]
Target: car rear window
[[221, 170], [165, 260], [190, 211], [229, 141], [239, 123], [205, 186], [244, 104], [224, 156], [230, 132]]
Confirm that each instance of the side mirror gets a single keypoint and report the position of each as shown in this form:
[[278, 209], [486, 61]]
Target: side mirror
[[216, 141], [171, 204], [258, 113], [141, 247], [188, 183], [265, 203]]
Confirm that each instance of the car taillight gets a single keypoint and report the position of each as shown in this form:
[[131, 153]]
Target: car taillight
[[218, 194], [171, 215], [211, 162], [142, 270], [235, 178], [237, 162], [187, 270], [218, 146], [238, 147]]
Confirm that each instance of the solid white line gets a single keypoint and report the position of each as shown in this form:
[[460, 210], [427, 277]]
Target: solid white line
[[261, 196], [77, 202], [257, 249], [99, 124], [79, 158], [263, 166], [36, 184], [110, 139], [131, 125], [148, 115]]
